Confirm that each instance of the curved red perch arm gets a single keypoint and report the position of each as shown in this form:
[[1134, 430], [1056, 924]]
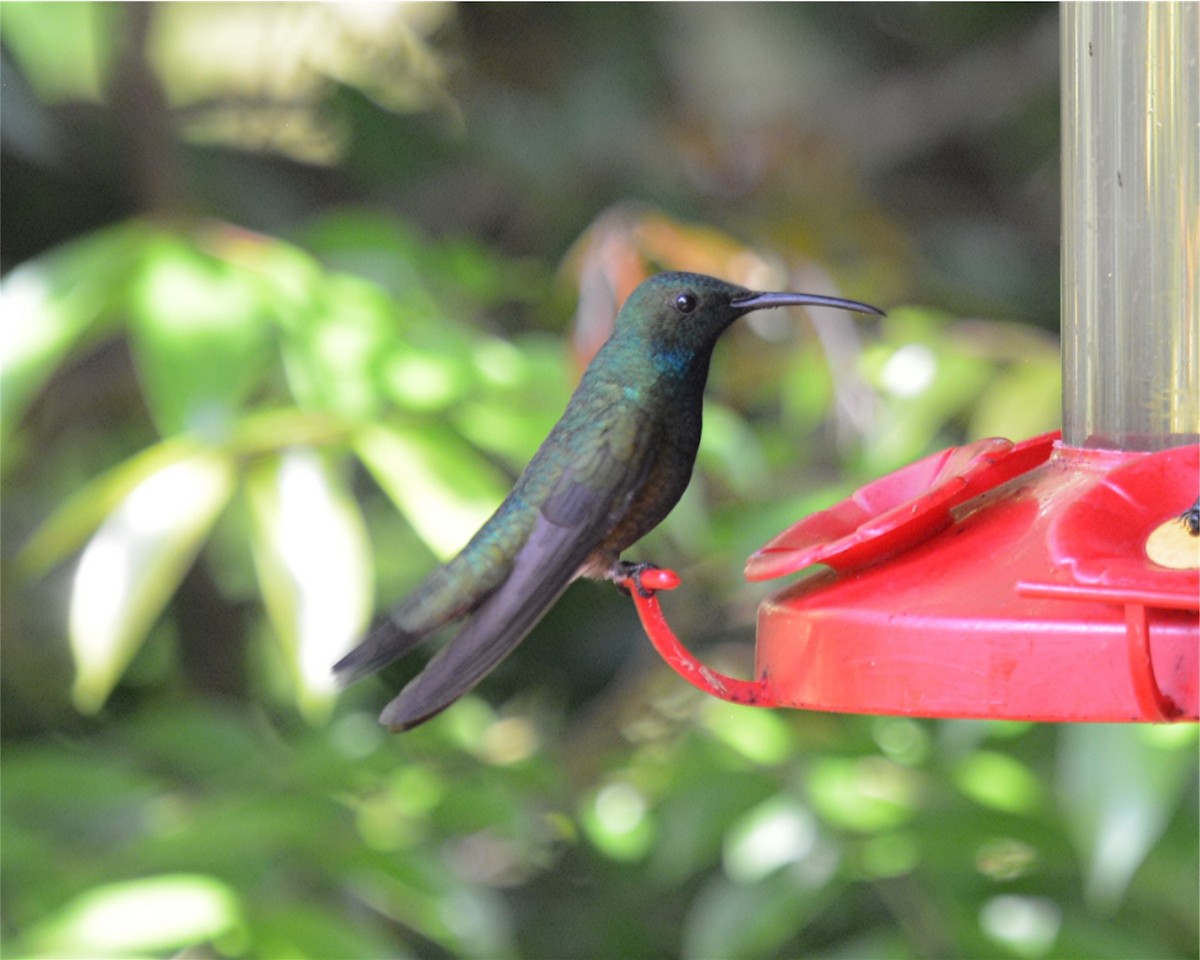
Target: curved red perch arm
[[644, 587]]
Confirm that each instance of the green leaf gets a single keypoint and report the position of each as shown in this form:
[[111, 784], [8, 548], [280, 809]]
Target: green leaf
[[1119, 785], [998, 781], [754, 920], [761, 736], [300, 929], [132, 565], [64, 51], [314, 567], [617, 820], [1026, 926], [148, 915], [519, 392], [425, 380], [868, 794], [927, 381], [444, 488], [778, 832], [729, 448], [199, 337], [54, 304], [74, 521], [1023, 401], [335, 348]]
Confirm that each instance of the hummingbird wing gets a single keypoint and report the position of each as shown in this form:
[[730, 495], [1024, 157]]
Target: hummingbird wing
[[446, 594], [588, 497]]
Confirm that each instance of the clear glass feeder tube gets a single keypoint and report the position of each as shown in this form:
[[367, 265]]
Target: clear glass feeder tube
[[1131, 224]]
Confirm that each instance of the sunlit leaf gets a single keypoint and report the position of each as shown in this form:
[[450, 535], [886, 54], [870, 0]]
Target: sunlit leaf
[[199, 338], [868, 794], [132, 565], [269, 431], [520, 391], [759, 735], [147, 915], [998, 781], [424, 381], [336, 348], [1023, 401], [65, 51], [55, 304], [777, 832], [511, 435], [254, 98], [1028, 926], [504, 365], [74, 521], [925, 381], [442, 486], [314, 567], [292, 275], [66, 529], [617, 820]]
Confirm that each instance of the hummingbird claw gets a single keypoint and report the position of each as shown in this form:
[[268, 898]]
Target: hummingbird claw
[[646, 578]]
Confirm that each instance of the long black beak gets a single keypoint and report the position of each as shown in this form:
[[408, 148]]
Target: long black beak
[[761, 301]]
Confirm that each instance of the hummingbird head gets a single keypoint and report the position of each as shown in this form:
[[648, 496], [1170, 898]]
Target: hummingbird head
[[681, 315]]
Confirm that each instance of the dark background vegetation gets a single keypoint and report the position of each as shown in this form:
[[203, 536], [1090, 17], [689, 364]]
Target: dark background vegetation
[[287, 305]]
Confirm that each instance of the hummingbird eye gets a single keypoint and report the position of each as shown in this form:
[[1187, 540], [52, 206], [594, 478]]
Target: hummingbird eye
[[685, 302]]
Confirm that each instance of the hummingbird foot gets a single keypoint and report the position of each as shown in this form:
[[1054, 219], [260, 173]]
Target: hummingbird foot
[[646, 578]]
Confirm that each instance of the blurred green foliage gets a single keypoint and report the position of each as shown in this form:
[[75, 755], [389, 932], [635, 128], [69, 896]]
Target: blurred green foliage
[[284, 317]]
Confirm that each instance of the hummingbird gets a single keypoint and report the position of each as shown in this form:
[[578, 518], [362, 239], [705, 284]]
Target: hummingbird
[[609, 472]]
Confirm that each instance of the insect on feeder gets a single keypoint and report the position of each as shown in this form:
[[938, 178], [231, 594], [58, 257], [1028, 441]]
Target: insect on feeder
[[1056, 578]]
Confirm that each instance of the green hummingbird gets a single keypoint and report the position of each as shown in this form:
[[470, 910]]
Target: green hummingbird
[[612, 468]]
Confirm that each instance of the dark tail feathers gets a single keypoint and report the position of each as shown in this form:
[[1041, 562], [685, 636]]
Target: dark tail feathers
[[385, 644]]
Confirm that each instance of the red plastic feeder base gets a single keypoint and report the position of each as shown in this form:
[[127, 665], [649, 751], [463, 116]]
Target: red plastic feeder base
[[1029, 581]]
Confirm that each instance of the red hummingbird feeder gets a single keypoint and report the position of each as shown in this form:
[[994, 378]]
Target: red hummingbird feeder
[[1054, 579]]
